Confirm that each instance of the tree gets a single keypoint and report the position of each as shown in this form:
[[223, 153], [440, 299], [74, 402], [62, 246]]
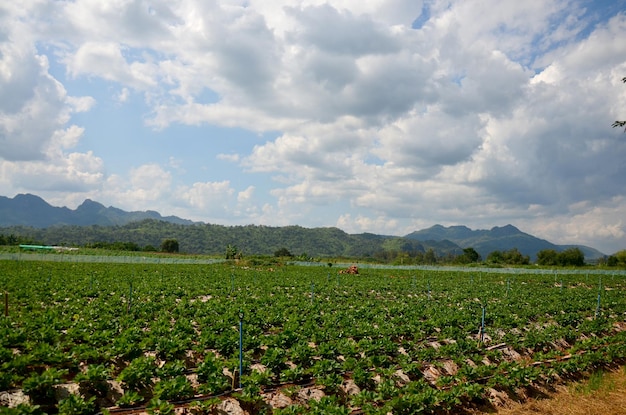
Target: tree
[[618, 259], [232, 252], [572, 256], [515, 257], [569, 257], [430, 257], [283, 252], [547, 257], [620, 123], [169, 245], [495, 257], [468, 256]]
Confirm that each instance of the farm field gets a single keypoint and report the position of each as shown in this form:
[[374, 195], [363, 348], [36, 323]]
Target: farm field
[[106, 337]]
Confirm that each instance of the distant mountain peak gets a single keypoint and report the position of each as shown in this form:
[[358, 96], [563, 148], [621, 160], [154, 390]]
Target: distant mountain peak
[[505, 230], [31, 210], [29, 198], [89, 204], [498, 238]]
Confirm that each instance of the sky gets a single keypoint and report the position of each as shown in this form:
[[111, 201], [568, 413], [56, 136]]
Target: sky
[[382, 116]]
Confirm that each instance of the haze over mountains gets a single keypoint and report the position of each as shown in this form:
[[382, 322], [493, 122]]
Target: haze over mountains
[[31, 215]]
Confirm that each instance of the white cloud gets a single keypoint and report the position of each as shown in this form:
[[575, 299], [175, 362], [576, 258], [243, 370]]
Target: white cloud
[[361, 224], [490, 112], [74, 172], [34, 114], [123, 95], [145, 188], [228, 157], [211, 196], [105, 60], [246, 195]]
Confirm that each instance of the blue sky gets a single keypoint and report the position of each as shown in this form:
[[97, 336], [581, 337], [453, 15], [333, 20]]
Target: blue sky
[[382, 116]]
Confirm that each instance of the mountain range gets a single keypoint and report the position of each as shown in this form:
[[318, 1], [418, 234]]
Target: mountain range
[[31, 210], [31, 216]]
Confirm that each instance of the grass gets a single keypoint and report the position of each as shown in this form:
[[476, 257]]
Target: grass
[[604, 392]]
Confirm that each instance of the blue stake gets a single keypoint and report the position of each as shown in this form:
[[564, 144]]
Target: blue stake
[[599, 299], [482, 326], [240, 346], [130, 296]]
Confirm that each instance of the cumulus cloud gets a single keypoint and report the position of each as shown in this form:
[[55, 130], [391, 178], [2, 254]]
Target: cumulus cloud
[[36, 108], [35, 138], [75, 172], [485, 112]]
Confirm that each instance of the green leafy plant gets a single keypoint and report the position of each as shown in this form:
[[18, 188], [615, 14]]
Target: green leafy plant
[[139, 374], [171, 369], [328, 405], [77, 405], [158, 407], [211, 376], [94, 379], [331, 382], [22, 409], [206, 406], [40, 387], [274, 359], [176, 389], [130, 399]]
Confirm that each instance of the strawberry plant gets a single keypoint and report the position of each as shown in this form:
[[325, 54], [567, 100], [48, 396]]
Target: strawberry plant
[[158, 407], [77, 405], [139, 374], [130, 399], [174, 389], [40, 387], [171, 369], [22, 409], [211, 376], [93, 380]]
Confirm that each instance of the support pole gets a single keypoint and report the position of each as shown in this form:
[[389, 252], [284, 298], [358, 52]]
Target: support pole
[[130, 297], [482, 326], [240, 346]]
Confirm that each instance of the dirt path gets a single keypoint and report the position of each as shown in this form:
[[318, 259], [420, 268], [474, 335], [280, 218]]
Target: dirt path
[[604, 393]]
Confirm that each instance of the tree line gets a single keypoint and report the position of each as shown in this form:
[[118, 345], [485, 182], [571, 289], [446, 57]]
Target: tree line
[[251, 240]]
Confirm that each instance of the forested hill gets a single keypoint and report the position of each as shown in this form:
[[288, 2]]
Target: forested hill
[[32, 217], [498, 238], [249, 239]]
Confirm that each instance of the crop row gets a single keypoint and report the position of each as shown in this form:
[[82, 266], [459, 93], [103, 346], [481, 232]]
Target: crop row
[[121, 336]]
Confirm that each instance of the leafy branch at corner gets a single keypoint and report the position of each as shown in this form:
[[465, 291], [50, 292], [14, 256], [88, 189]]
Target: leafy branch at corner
[[620, 123]]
